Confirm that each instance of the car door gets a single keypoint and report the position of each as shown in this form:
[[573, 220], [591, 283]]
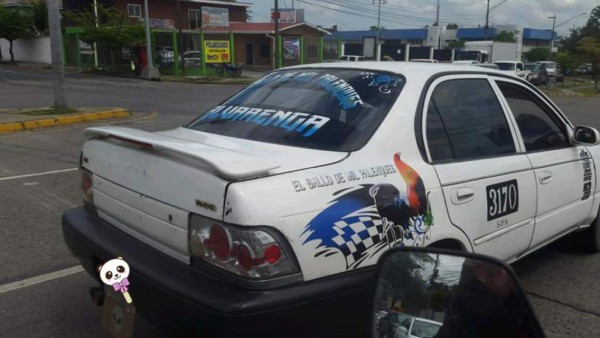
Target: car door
[[564, 172], [488, 185]]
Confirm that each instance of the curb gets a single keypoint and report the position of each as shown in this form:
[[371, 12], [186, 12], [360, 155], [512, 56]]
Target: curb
[[63, 120]]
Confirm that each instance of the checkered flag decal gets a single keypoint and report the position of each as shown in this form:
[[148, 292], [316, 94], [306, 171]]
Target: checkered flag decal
[[355, 235]]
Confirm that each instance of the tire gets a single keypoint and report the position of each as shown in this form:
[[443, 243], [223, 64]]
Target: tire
[[237, 72], [589, 239], [220, 71]]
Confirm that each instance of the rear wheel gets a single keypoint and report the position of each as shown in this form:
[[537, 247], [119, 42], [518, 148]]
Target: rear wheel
[[237, 72], [220, 71]]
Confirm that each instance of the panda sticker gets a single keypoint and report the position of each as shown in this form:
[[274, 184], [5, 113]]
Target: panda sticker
[[114, 273]]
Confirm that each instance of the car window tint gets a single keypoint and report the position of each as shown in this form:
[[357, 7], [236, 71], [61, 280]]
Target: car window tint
[[465, 121], [329, 109], [538, 130], [425, 329]]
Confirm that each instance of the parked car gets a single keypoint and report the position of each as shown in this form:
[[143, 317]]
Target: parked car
[[415, 327], [164, 56], [554, 71], [511, 67], [536, 73], [424, 60], [192, 58], [351, 58], [275, 204], [585, 69]]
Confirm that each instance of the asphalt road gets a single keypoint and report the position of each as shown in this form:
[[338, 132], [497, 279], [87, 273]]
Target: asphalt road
[[38, 182]]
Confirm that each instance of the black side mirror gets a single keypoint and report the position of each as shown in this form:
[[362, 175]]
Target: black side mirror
[[587, 135], [440, 293]]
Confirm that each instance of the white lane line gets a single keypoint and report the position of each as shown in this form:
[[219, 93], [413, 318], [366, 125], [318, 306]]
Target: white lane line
[[40, 279], [37, 174]]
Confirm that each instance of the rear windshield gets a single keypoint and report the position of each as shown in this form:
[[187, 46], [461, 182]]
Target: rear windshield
[[329, 109], [533, 68], [549, 64], [505, 65]]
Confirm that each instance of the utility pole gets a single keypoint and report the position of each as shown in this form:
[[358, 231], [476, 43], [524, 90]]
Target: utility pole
[[552, 34], [378, 40], [180, 38], [276, 13], [437, 14], [437, 25], [487, 19], [149, 72], [58, 67], [95, 46]]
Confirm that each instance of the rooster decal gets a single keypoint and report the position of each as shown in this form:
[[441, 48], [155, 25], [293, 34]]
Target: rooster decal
[[361, 221]]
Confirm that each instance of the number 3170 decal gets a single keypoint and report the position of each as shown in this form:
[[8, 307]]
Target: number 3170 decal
[[502, 199]]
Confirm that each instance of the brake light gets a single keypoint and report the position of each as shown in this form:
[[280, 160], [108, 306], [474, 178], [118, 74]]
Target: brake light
[[244, 251], [87, 184], [218, 242]]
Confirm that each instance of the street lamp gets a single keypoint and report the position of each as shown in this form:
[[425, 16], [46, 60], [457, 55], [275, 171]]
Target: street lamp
[[576, 16], [554, 26]]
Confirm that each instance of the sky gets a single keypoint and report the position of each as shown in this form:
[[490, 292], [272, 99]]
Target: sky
[[351, 15]]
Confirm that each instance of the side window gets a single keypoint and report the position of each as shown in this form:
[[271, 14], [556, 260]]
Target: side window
[[465, 121], [538, 129]]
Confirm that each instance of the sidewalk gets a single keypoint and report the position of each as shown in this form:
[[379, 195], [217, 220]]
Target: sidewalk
[[12, 120]]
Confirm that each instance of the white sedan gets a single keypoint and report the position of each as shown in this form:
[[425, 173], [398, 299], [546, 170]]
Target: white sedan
[[273, 206]]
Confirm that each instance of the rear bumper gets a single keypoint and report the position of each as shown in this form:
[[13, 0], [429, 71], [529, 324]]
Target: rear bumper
[[172, 294]]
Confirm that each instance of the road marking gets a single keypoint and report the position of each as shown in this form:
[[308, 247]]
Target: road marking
[[40, 279], [37, 174]]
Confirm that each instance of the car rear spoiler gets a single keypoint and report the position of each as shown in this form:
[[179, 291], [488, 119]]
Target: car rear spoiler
[[226, 163]]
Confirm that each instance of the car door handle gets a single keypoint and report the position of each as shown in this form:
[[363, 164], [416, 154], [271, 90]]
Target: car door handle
[[462, 195], [545, 177]]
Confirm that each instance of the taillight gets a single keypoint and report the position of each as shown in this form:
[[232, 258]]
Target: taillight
[[87, 183], [244, 251]]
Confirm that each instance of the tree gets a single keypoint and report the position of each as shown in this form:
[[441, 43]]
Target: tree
[[567, 62], [39, 12], [537, 54], [590, 48], [456, 43], [114, 32], [375, 28], [14, 25], [452, 26], [505, 36], [592, 27]]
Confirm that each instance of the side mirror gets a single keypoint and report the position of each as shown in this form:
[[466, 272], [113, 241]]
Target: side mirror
[[450, 294], [587, 135]]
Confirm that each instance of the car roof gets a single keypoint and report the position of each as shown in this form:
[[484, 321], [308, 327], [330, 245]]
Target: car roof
[[408, 69]]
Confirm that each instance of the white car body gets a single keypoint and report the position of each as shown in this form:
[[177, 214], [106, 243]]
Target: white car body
[[326, 203], [512, 67], [410, 328], [550, 67], [353, 58]]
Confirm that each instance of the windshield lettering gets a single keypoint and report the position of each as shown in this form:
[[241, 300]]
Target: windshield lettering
[[287, 120]]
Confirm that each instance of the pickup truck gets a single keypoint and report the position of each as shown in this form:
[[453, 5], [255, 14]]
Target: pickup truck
[[265, 215]]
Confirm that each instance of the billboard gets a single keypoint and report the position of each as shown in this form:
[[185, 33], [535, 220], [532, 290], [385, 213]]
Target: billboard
[[213, 16], [217, 51], [291, 48], [286, 15]]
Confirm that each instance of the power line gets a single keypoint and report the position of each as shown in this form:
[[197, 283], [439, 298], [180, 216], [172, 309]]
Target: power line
[[362, 15]]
